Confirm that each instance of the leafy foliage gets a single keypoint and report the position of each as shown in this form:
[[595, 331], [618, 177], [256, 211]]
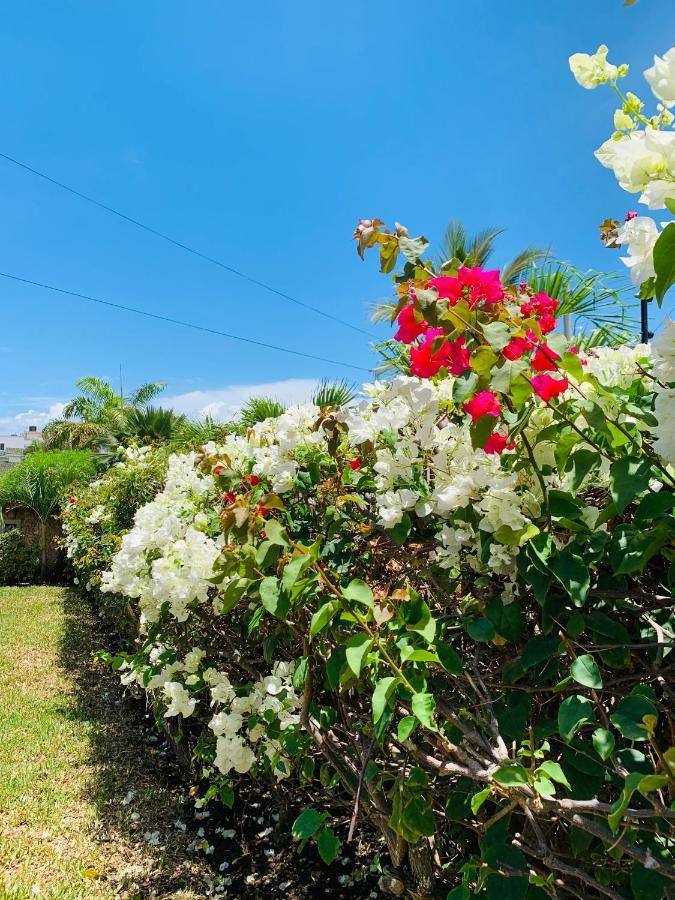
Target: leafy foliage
[[19, 563]]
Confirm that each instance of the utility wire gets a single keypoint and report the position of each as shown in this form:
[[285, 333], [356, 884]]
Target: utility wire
[[151, 315], [177, 243]]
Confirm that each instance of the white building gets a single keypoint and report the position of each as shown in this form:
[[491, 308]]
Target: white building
[[13, 446]]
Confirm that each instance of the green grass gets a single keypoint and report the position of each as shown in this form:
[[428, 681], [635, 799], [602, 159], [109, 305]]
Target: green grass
[[69, 752]]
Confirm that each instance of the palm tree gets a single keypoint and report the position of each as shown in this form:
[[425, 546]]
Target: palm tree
[[594, 306], [257, 409], [95, 414], [148, 425], [478, 249], [98, 399], [191, 433], [38, 483], [67, 434], [333, 393]]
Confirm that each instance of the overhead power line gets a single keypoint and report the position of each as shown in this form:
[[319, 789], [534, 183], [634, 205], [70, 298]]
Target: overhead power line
[[186, 247], [183, 324]]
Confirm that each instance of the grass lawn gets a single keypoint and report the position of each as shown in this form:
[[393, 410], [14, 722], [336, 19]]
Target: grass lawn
[[70, 753]]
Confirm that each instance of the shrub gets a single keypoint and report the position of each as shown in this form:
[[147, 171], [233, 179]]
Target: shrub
[[19, 563], [38, 483], [450, 600], [98, 514]]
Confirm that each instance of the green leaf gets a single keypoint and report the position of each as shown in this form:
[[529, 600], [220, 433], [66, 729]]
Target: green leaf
[[450, 659], [405, 728], [294, 569], [328, 844], [647, 884], [603, 742], [357, 647], [382, 694], [273, 599], [463, 387], [424, 706], [399, 533], [664, 262], [563, 505], [275, 533], [628, 477], [418, 816], [510, 776], [412, 248], [334, 666], [508, 375], [507, 619], [572, 574], [544, 786], [358, 590], [627, 717], [322, 616], [652, 783], [654, 505], [307, 824], [418, 617], [479, 799], [481, 630], [553, 771], [579, 464], [574, 712], [539, 649], [300, 673], [630, 785], [481, 430], [585, 671], [497, 334]]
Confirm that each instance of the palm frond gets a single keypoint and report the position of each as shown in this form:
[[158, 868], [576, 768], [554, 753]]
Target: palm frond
[[515, 269], [334, 393], [145, 393], [481, 247], [257, 409], [599, 300]]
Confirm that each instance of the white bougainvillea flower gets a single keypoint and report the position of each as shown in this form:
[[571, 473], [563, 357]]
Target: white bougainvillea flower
[[180, 702], [592, 69], [639, 234], [661, 77], [639, 158]]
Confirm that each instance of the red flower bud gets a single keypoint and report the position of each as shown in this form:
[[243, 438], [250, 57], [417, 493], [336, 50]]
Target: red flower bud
[[253, 480], [355, 464]]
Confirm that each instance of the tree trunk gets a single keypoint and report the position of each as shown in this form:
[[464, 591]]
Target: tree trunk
[[43, 551], [421, 884]]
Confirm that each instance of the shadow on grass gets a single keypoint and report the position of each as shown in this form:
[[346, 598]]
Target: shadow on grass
[[125, 757]]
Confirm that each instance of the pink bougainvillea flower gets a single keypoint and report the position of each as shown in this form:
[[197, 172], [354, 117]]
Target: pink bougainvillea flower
[[497, 443], [631, 214], [408, 328], [229, 497], [547, 323], [355, 464], [484, 403], [516, 347], [475, 285], [458, 356], [540, 304], [547, 388], [544, 359], [425, 362]]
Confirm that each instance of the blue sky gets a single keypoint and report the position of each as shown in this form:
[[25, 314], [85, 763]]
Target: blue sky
[[260, 133]]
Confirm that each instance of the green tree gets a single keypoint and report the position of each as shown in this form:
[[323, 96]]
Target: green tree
[[148, 425], [92, 417], [38, 483]]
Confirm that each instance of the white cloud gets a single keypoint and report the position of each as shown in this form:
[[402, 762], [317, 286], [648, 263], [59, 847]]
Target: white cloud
[[219, 403], [223, 403], [21, 421]]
